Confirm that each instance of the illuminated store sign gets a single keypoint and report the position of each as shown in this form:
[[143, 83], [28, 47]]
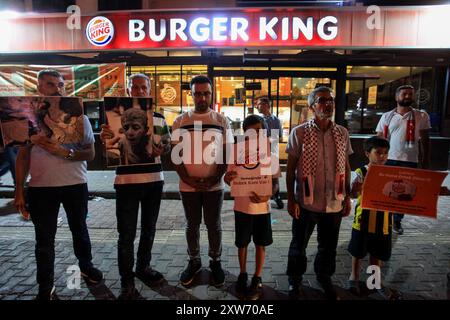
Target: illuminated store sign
[[299, 28]]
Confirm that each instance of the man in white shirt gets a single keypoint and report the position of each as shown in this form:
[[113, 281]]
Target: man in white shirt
[[58, 175], [201, 184], [406, 128]]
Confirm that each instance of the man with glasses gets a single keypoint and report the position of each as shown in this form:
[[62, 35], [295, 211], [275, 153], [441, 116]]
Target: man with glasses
[[201, 184], [318, 161]]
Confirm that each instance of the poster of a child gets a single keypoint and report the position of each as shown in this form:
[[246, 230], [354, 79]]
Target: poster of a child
[[18, 119], [132, 142], [136, 146], [24, 119]]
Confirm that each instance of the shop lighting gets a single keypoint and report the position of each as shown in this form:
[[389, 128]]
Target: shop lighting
[[9, 14]]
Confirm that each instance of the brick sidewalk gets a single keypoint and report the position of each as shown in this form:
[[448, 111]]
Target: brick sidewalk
[[417, 269]]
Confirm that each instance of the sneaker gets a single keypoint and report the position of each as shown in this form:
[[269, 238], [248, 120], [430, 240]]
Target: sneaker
[[294, 285], [328, 288], [398, 228], [255, 288], [218, 275], [92, 275], [386, 293], [189, 273], [353, 287], [47, 294], [279, 202], [241, 285], [129, 293], [149, 276]]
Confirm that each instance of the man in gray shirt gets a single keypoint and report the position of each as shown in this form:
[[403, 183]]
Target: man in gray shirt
[[318, 162]]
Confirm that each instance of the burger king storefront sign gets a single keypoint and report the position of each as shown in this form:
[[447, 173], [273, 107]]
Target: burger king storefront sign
[[326, 27]]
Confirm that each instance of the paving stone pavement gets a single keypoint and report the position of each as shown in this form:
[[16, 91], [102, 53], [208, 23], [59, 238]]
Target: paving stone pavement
[[417, 269]]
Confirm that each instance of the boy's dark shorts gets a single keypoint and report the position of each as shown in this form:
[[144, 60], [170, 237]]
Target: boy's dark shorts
[[257, 225], [378, 246]]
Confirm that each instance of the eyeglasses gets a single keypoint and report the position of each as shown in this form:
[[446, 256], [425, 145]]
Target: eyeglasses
[[205, 94], [323, 100]]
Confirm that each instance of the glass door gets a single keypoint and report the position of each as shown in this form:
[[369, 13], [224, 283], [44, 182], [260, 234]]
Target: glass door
[[230, 100]]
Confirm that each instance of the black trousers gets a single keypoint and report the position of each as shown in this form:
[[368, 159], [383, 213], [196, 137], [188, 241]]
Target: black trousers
[[44, 205], [128, 198], [328, 225]]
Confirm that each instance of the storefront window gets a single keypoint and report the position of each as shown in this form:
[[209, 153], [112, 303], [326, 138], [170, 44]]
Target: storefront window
[[370, 91], [170, 87], [189, 72], [230, 98]]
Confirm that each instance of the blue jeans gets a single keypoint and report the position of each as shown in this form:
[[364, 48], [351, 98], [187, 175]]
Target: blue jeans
[[9, 161], [44, 203], [128, 198], [210, 202], [397, 163]]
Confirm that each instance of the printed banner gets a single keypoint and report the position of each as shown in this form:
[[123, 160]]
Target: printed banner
[[402, 190], [254, 170], [26, 118], [90, 81], [131, 121]]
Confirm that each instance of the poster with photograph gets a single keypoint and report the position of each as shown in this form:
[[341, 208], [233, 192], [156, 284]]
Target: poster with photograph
[[57, 118], [402, 190], [131, 121]]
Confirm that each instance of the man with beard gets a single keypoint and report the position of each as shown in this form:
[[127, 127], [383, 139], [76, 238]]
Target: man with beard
[[406, 127], [201, 184], [318, 161]]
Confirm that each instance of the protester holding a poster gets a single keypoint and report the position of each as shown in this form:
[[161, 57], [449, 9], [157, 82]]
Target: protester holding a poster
[[371, 229], [406, 128], [58, 175], [140, 181], [252, 213], [318, 161]]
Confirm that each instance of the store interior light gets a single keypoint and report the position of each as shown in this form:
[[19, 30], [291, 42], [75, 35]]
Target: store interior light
[[9, 14]]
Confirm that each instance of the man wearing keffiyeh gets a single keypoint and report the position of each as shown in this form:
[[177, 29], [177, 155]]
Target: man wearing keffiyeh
[[318, 165]]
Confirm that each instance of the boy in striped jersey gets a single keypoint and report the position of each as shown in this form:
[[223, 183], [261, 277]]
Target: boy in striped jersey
[[371, 230], [139, 184]]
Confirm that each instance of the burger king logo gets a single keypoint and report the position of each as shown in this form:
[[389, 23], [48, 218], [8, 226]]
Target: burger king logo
[[100, 31]]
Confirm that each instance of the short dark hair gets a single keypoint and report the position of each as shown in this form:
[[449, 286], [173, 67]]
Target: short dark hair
[[264, 99], [251, 120], [200, 79], [404, 87], [49, 72], [375, 142]]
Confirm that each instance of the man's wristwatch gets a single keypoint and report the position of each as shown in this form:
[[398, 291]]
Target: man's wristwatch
[[70, 155]]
